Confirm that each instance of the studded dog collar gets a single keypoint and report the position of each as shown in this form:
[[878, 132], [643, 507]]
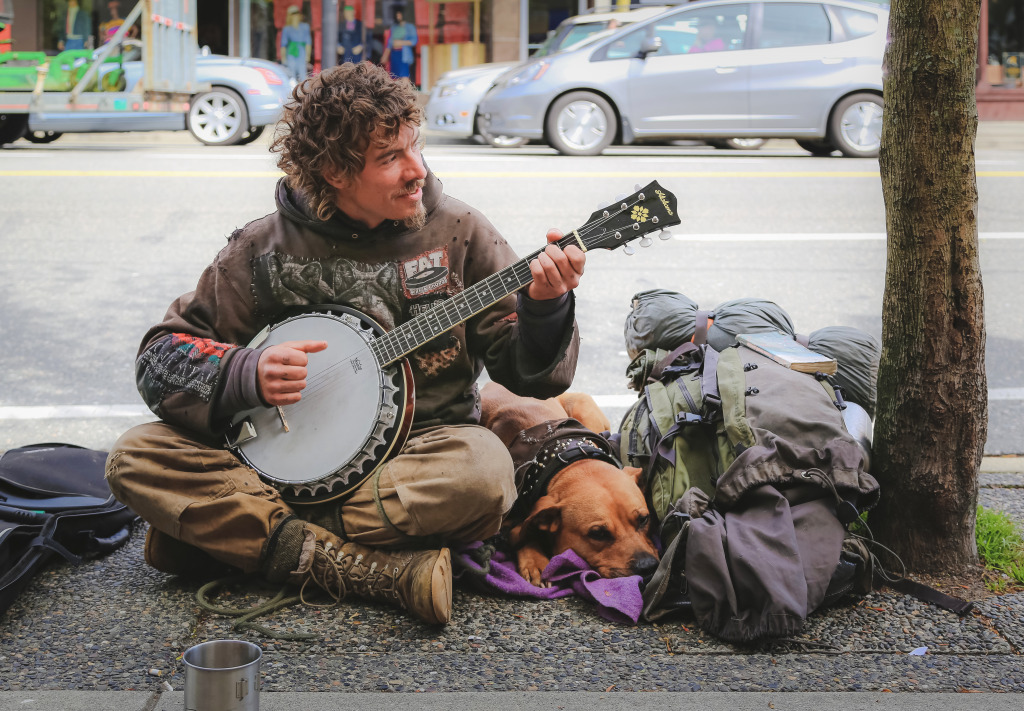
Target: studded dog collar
[[543, 450]]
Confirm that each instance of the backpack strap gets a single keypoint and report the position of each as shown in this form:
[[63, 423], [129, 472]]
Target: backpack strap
[[710, 397], [659, 370], [702, 322], [930, 594]]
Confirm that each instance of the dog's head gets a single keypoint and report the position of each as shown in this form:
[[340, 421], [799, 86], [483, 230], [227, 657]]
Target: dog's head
[[599, 511]]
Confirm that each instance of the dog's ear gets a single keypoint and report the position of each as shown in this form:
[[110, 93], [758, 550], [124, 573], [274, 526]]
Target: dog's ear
[[545, 517], [635, 472]]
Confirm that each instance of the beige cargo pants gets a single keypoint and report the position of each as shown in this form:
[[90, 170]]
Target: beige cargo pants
[[454, 483]]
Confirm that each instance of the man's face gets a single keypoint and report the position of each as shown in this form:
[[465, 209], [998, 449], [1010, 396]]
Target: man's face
[[390, 185], [398, 17]]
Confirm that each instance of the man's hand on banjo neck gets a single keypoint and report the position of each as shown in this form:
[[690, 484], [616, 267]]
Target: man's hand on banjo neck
[[555, 271]]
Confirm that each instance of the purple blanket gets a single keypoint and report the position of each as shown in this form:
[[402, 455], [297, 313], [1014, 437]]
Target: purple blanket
[[617, 599]]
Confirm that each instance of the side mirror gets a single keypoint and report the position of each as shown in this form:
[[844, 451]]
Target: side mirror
[[650, 45]]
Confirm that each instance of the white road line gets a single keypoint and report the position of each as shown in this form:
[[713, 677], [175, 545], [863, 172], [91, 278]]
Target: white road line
[[65, 412], [811, 236]]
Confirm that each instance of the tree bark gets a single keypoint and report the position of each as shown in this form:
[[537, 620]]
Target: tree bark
[[932, 412]]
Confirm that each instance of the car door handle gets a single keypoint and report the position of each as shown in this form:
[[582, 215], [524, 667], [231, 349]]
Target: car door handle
[[725, 70]]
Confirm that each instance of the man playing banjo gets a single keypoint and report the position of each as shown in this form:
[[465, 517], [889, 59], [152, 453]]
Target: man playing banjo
[[361, 222]]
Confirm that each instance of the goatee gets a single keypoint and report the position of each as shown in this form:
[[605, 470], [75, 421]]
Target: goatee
[[417, 220]]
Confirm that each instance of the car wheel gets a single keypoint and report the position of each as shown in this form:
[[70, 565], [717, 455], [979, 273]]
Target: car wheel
[[251, 135], [43, 136], [218, 117], [819, 147], [739, 144], [497, 141], [12, 127], [581, 124], [856, 126]]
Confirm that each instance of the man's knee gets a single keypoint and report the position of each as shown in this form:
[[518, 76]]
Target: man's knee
[[489, 480]]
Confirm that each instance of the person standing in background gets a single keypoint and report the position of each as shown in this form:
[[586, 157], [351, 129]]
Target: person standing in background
[[76, 28], [350, 36], [401, 40], [296, 45]]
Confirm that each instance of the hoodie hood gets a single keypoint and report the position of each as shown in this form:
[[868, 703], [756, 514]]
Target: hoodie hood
[[295, 208]]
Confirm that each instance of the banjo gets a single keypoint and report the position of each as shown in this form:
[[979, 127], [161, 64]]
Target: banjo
[[357, 407]]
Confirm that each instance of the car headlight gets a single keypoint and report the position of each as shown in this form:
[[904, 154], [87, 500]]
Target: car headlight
[[450, 89], [531, 72]]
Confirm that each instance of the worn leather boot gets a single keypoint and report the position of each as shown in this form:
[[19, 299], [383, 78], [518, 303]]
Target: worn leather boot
[[417, 581]]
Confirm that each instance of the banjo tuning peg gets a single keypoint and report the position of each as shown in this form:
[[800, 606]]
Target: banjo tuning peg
[[628, 249], [665, 234], [646, 241]]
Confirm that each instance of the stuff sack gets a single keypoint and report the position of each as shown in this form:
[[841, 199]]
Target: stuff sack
[[663, 319], [54, 500]]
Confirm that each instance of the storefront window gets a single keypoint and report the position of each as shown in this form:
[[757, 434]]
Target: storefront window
[[1005, 44]]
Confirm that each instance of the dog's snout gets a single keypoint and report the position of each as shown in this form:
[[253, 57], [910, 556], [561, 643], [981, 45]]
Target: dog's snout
[[644, 565]]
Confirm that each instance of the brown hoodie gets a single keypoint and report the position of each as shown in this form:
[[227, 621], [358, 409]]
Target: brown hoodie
[[291, 259]]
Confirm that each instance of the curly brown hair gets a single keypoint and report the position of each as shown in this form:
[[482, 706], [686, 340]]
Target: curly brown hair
[[329, 123]]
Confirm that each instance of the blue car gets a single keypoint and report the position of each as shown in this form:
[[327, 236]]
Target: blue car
[[244, 95]]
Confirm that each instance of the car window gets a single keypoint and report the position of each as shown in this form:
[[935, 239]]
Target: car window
[[577, 33], [628, 45], [792, 24], [856, 23], [713, 29]]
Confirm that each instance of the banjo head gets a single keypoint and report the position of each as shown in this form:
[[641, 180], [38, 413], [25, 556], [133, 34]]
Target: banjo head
[[347, 422]]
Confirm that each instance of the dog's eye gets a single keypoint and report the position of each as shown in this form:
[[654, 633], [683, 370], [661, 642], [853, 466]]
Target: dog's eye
[[641, 523], [600, 533]]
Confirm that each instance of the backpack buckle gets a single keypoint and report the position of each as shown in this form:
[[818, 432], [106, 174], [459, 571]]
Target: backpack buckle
[[688, 418]]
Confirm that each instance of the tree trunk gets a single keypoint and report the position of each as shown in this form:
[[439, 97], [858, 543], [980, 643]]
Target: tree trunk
[[932, 413]]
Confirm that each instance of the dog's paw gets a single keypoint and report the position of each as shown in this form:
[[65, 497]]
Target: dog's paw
[[531, 563]]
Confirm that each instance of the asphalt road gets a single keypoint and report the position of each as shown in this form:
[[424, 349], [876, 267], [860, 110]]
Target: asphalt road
[[100, 233]]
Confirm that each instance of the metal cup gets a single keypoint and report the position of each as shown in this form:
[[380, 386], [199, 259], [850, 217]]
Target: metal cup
[[222, 675]]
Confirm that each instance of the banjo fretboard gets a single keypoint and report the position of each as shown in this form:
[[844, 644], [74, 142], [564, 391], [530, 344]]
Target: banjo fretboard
[[647, 210]]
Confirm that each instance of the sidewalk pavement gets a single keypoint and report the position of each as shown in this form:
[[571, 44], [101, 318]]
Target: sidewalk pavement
[[110, 634]]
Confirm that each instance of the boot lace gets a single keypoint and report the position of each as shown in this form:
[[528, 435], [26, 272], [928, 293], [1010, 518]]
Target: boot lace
[[339, 572]]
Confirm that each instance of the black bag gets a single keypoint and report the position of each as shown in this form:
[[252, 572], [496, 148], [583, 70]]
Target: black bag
[[54, 499]]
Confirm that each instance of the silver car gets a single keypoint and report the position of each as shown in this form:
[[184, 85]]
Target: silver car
[[451, 109], [245, 95], [804, 69]]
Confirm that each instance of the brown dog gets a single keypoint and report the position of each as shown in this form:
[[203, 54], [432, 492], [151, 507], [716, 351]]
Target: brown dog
[[590, 506]]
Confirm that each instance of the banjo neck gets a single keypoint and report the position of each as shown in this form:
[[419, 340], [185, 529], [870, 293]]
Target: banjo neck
[[402, 340], [650, 209]]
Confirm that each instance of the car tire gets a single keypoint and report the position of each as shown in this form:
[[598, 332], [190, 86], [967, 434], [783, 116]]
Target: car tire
[[581, 124], [251, 135], [42, 136], [739, 144], [218, 117], [12, 127], [818, 147], [856, 126], [480, 125]]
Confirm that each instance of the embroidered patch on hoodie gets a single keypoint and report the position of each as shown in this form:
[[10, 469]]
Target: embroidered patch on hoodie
[[425, 273]]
